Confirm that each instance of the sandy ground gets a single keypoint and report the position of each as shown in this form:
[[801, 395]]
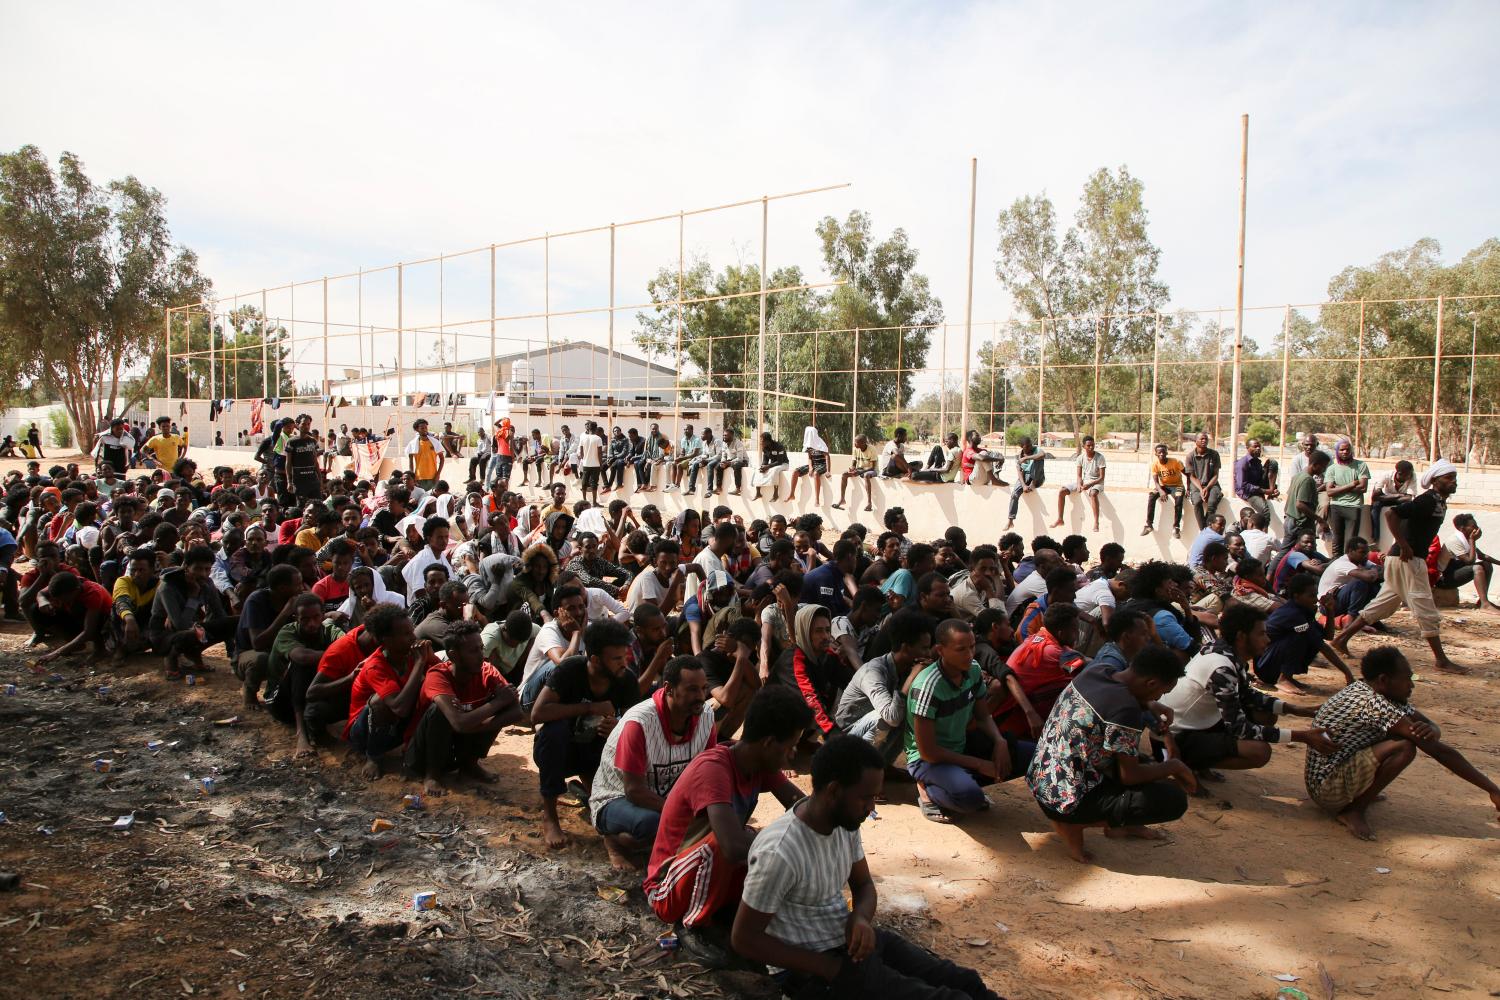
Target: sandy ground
[[275, 886]]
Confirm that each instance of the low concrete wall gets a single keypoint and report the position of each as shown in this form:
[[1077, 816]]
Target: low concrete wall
[[981, 510]]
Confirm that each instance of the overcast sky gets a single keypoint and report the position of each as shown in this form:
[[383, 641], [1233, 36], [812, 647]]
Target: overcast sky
[[298, 140]]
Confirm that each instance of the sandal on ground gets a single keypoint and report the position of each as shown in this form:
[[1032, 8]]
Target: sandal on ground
[[934, 812]]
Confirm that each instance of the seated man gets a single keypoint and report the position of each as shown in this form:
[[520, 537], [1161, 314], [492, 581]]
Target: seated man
[[1038, 670], [982, 587], [873, 704], [1255, 479], [134, 591], [1088, 769], [1211, 532], [698, 862], [645, 754], [1352, 580], [1220, 719], [295, 653], [463, 705], [1296, 638], [1167, 482], [1459, 561], [383, 696], [949, 760], [1301, 558], [46, 563], [1089, 481], [78, 612], [507, 643], [453, 596], [1377, 734], [327, 697], [862, 466], [577, 708], [266, 610], [733, 674], [810, 666], [793, 916], [188, 614]]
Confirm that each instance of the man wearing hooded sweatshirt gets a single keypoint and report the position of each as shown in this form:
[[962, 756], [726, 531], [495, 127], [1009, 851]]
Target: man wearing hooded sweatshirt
[[811, 667], [188, 614]]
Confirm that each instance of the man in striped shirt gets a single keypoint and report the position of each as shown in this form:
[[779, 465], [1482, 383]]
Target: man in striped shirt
[[792, 915]]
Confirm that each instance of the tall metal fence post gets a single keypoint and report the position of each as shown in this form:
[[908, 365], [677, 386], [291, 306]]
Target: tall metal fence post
[[1433, 453], [1286, 358]]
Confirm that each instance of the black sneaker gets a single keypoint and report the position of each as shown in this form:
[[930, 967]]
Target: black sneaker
[[702, 946]]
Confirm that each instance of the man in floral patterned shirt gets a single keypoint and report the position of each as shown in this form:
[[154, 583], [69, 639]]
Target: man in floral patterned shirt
[[1378, 736], [1088, 769]]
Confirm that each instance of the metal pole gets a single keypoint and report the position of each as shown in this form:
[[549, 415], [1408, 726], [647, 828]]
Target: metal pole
[[494, 380], [547, 329], [760, 357], [1041, 382], [1286, 363], [1098, 345], [969, 297], [609, 374], [942, 381], [326, 386], [1359, 377], [854, 404], [1155, 374], [167, 373], [900, 340], [292, 348], [1469, 419], [213, 373], [1437, 383], [265, 356], [1239, 298], [400, 328], [677, 381], [1218, 373], [359, 332]]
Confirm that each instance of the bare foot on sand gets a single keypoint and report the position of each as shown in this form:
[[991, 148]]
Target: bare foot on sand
[[619, 857], [1354, 820], [432, 787], [304, 748], [552, 832], [1071, 835], [370, 769]]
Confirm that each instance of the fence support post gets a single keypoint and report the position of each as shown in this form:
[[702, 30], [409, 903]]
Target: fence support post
[[1437, 384], [1239, 300], [1359, 379], [760, 353], [1286, 358], [1155, 371], [854, 404], [969, 298]]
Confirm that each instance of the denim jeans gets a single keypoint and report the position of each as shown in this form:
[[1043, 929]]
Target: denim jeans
[[558, 755], [710, 464], [896, 970], [375, 740], [624, 816]]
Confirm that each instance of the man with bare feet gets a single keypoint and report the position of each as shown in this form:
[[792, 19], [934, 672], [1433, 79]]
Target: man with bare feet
[[576, 710], [1088, 769], [863, 466], [1220, 720], [293, 663], [644, 756], [1088, 482], [384, 696], [1378, 736], [463, 705], [261, 619], [327, 697], [698, 862], [1413, 525]]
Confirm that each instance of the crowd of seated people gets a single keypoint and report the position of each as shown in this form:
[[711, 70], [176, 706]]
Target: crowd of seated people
[[670, 671]]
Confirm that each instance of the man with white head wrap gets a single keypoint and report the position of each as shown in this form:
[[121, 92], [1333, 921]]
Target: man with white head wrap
[[1413, 525], [816, 450]]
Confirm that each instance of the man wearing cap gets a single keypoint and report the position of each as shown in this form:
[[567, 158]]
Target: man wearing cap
[[1413, 525], [165, 446], [424, 459], [114, 447]]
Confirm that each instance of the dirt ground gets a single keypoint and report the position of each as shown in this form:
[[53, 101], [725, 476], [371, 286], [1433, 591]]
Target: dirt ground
[[275, 886]]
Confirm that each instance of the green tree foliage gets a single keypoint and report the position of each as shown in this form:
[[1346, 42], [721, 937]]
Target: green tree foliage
[[1264, 431], [720, 338], [1396, 375], [1082, 294], [236, 373], [86, 273]]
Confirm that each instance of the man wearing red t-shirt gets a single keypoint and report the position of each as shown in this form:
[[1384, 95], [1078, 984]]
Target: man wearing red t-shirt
[[79, 610], [384, 693], [333, 589], [460, 710], [698, 863], [327, 697], [46, 564]]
